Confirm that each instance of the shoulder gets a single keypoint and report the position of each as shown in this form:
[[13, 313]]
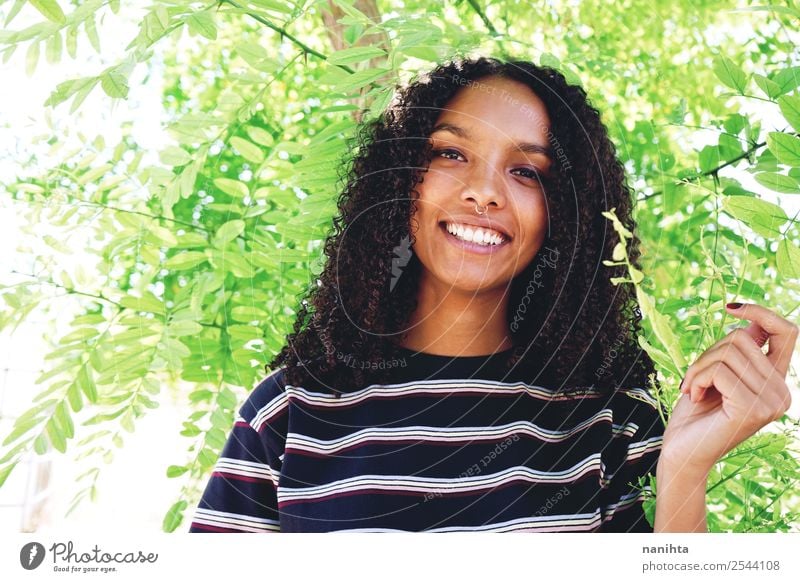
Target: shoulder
[[268, 396]]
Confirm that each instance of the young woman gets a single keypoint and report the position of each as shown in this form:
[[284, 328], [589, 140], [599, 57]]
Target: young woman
[[463, 362]]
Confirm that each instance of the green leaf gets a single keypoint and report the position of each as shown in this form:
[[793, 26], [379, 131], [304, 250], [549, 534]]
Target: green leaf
[[785, 147], [81, 95], [220, 419], [148, 302], [175, 471], [248, 313], [769, 87], [662, 329], [20, 428], [260, 136], [735, 123], [215, 438], [190, 430], [9, 52], [790, 107], [32, 58], [709, 158], [160, 236], [207, 457], [787, 79], [71, 41], [91, 32], [174, 516], [175, 156], [729, 73], [40, 444], [56, 435], [126, 420], [18, 4], [98, 418], [360, 79], [185, 260], [355, 55], [250, 151], [185, 327], [6, 471], [233, 188], [788, 260], [226, 398], [79, 335], [175, 349], [74, 396], [228, 231], [53, 48], [50, 10], [763, 217], [778, 182], [64, 420], [244, 332], [729, 147], [202, 23], [115, 84], [86, 384]]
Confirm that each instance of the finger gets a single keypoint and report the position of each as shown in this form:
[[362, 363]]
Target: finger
[[758, 333], [733, 356], [749, 350], [746, 350], [782, 333], [754, 410], [726, 382]]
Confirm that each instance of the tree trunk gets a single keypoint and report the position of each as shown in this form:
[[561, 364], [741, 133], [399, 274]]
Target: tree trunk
[[330, 17]]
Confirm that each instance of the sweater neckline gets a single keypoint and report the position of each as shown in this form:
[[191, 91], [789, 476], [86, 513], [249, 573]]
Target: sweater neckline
[[440, 357]]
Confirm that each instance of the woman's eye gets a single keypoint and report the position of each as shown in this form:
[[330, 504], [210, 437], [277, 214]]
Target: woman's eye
[[528, 173], [447, 152]]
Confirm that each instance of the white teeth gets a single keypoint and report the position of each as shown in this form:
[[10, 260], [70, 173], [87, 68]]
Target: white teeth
[[477, 235]]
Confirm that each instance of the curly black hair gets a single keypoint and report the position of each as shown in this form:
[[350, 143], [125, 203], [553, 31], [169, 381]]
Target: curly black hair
[[581, 330]]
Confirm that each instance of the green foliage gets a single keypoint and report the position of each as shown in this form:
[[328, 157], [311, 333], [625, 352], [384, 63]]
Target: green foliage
[[203, 249]]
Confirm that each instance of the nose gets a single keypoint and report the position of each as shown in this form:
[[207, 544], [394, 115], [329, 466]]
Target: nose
[[485, 185]]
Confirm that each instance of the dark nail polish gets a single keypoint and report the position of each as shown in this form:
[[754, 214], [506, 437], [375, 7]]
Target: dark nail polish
[[734, 305]]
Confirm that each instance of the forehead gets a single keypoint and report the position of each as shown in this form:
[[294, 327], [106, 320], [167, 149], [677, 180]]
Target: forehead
[[501, 105]]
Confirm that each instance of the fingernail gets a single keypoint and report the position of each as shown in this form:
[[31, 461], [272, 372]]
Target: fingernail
[[680, 386], [734, 305]]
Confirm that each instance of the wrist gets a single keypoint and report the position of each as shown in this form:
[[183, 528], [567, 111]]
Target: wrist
[[671, 465]]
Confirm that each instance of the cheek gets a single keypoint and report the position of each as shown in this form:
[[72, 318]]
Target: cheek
[[439, 181], [533, 223], [433, 194]]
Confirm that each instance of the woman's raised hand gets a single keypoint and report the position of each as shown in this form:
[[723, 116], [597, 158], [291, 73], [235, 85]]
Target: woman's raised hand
[[732, 390]]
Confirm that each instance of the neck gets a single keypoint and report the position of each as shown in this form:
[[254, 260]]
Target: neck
[[451, 322]]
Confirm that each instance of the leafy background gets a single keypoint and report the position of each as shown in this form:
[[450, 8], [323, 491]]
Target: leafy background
[[194, 252]]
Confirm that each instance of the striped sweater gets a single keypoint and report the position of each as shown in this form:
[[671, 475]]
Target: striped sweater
[[451, 445]]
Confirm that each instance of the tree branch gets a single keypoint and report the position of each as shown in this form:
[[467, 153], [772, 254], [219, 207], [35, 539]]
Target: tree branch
[[486, 21], [711, 172], [304, 47], [69, 290]]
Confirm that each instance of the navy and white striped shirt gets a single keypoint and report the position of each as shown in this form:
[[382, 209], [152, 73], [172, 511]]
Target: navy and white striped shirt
[[451, 445]]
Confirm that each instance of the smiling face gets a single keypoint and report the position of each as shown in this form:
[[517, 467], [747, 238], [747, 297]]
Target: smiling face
[[489, 147]]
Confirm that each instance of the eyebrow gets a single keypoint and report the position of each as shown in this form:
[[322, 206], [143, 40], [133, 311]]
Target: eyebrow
[[528, 148]]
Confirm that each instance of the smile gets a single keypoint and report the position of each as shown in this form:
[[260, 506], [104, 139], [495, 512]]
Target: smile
[[475, 239]]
